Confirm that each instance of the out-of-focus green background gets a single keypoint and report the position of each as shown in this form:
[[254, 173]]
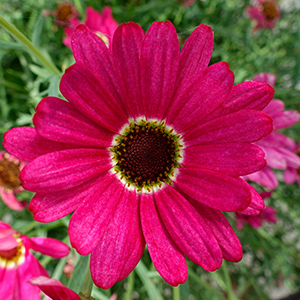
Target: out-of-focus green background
[[270, 268]]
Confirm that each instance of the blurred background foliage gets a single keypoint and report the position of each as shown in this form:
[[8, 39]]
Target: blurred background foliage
[[270, 268]]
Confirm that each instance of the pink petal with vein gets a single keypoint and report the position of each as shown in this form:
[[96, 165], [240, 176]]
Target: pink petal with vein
[[166, 256]]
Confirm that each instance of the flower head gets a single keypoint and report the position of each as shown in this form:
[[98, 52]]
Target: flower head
[[265, 12], [18, 265], [149, 148], [10, 183], [104, 25], [278, 148], [292, 173], [63, 13]]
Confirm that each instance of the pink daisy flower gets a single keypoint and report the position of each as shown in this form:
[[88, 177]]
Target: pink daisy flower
[[278, 148], [292, 174], [265, 12], [186, 3], [149, 148], [63, 13], [104, 25], [10, 183], [267, 215], [18, 265]]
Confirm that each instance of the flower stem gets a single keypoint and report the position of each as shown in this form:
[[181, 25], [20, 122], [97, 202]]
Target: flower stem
[[25, 41], [29, 227], [130, 286], [87, 286], [79, 7], [230, 294], [176, 293]]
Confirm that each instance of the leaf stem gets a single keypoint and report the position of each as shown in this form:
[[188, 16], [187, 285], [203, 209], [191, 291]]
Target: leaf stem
[[25, 41], [130, 286], [87, 286], [176, 293], [230, 293]]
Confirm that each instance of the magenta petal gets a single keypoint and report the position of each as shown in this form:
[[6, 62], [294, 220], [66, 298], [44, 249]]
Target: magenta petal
[[269, 78], [277, 140], [243, 126], [53, 288], [127, 44], [26, 271], [91, 219], [49, 246], [159, 63], [122, 244], [188, 229], [249, 95], [11, 201], [62, 170], [233, 159], [167, 258], [290, 175], [93, 99], [7, 243], [213, 189], [265, 177], [195, 55], [91, 52], [285, 119], [59, 121], [227, 239], [26, 144], [209, 90], [48, 207]]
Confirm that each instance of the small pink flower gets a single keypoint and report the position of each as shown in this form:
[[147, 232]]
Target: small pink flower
[[149, 148], [63, 13], [292, 174], [104, 25], [10, 184], [278, 148], [267, 215], [265, 12], [18, 265]]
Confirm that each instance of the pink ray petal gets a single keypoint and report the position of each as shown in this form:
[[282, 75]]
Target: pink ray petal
[[234, 159], [53, 288], [209, 90], [277, 140], [91, 52], [11, 201], [188, 229], [214, 189], [194, 55], [7, 280], [59, 121], [285, 119], [265, 177], [290, 175], [48, 173], [49, 246], [268, 78], [91, 219], [26, 144], [167, 258], [159, 63], [118, 252], [93, 99], [243, 126], [127, 44]]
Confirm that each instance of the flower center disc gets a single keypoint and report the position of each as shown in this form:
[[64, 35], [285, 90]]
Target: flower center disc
[[9, 174], [13, 254], [64, 12], [269, 10], [147, 154]]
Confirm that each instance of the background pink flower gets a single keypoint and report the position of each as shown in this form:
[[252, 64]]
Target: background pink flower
[[186, 3], [104, 25], [18, 265], [279, 149], [265, 13], [292, 174], [10, 184], [149, 148]]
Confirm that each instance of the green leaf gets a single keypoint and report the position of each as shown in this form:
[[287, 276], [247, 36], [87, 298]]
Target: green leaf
[[53, 89], [76, 281], [39, 71], [37, 32]]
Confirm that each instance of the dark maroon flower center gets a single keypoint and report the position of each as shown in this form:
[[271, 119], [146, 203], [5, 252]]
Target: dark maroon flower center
[[146, 154], [13, 254], [269, 10], [298, 153], [9, 174]]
